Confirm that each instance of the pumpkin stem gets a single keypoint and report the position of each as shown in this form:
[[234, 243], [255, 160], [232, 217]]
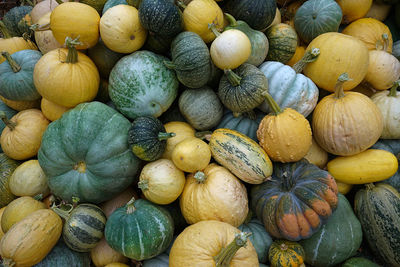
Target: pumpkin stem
[[393, 90], [143, 185], [181, 4], [214, 29], [203, 135], [6, 121], [130, 206], [225, 256], [63, 210], [309, 56], [169, 64], [13, 64], [72, 56], [165, 136], [200, 177], [4, 30], [339, 93], [8, 262], [271, 102], [370, 186], [232, 21], [233, 78], [39, 28], [284, 247]]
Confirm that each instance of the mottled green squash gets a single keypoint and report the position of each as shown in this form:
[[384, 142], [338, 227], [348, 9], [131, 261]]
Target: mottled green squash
[[282, 42], [7, 167], [359, 262], [103, 58], [14, 16], [158, 44]]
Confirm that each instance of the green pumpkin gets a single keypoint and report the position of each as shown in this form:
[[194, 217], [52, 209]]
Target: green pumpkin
[[396, 50], [14, 16], [378, 209], [141, 85], [359, 262], [140, 230], [258, 40], [158, 44], [148, 138], [16, 75], [161, 17], [316, 17], [201, 108], [258, 14], [7, 167], [62, 255], [242, 89], [110, 3], [161, 260], [190, 59], [337, 240], [282, 42], [9, 113], [86, 154]]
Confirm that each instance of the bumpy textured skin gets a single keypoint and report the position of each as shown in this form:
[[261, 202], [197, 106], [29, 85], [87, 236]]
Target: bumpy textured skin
[[292, 256]]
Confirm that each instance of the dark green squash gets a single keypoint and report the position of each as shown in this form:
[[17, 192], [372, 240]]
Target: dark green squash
[[396, 49], [161, 260], [242, 89], [201, 108], [61, 255], [140, 230], [158, 44], [16, 75], [215, 76], [258, 14], [359, 262], [316, 17], [111, 3], [14, 16], [148, 138], [190, 59], [337, 240], [161, 17], [102, 94], [9, 113], [86, 154], [7, 167], [179, 221], [378, 209], [282, 42]]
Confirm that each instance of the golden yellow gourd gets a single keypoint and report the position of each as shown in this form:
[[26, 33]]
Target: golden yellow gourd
[[354, 9], [344, 188], [102, 254], [21, 105], [44, 38], [182, 131], [51, 110], [317, 155]]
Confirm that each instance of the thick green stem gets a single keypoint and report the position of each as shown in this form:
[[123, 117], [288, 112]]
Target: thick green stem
[[64, 212], [225, 256], [165, 136], [271, 102], [233, 78], [4, 31], [6, 121], [130, 206], [200, 177], [143, 185], [72, 56], [309, 56], [339, 92], [214, 29], [13, 64], [169, 64], [393, 90], [232, 21], [181, 4]]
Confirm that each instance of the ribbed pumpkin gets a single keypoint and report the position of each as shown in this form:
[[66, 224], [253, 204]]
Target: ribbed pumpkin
[[283, 41], [359, 262], [102, 254], [16, 19], [72, 19], [66, 77], [284, 134], [284, 253], [182, 131], [44, 38], [300, 51], [346, 123], [354, 9], [7, 167], [51, 110], [110, 3], [191, 155], [286, 205], [1, 214]]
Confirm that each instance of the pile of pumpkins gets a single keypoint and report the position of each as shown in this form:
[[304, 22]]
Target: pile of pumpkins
[[200, 133]]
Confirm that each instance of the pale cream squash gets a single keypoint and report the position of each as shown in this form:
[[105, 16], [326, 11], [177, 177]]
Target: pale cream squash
[[44, 38], [41, 9]]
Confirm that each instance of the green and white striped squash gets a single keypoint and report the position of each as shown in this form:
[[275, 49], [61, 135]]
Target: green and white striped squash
[[378, 209], [7, 167], [139, 230], [141, 85], [282, 40]]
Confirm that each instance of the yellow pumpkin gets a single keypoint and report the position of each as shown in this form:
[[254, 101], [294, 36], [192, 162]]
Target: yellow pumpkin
[[339, 53], [18, 209], [161, 181], [212, 243], [284, 134], [21, 105], [192, 154], [316, 155], [378, 11], [28, 179], [31, 239], [346, 123], [51, 110], [22, 136], [284, 253], [214, 194], [121, 30], [73, 19], [118, 201], [102, 254], [182, 131], [300, 51], [1, 214], [44, 38], [369, 166], [370, 31], [66, 77], [354, 9], [197, 16]]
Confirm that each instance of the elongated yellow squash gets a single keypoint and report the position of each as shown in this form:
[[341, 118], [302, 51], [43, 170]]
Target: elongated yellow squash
[[369, 166]]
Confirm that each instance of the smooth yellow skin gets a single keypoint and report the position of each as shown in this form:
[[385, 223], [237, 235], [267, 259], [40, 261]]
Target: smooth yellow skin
[[354, 9], [51, 110], [102, 254], [192, 154], [13, 45], [344, 188], [317, 155], [21, 105], [182, 131], [370, 166], [116, 264]]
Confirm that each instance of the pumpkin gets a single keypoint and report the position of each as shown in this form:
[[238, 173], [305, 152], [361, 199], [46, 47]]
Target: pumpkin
[[298, 199], [44, 38], [344, 188], [282, 40], [286, 253], [31, 239], [377, 207], [14, 16], [316, 155], [218, 188], [182, 131], [337, 240], [41, 9], [161, 260], [118, 201], [354, 9], [102, 254], [97, 138], [338, 119], [198, 14], [191, 154], [277, 18], [139, 230], [16, 75], [20, 105], [147, 138], [300, 51], [120, 29], [212, 243], [73, 19], [365, 89], [28, 179], [378, 11], [284, 134], [241, 155], [22, 136], [7, 167], [111, 3], [201, 107], [9, 112], [316, 17], [141, 85], [51, 110], [161, 182], [359, 262], [96, 4]]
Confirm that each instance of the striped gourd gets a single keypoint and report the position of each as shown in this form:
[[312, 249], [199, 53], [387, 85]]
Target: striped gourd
[[241, 155]]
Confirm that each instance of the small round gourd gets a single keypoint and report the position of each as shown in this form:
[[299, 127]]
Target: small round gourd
[[282, 40], [51, 110], [182, 131], [286, 253], [192, 154]]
